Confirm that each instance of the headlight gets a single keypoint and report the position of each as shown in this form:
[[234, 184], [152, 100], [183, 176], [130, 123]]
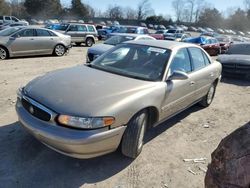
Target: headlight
[[85, 123], [19, 93]]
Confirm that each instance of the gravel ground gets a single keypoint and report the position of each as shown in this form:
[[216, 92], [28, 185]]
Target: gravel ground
[[25, 162]]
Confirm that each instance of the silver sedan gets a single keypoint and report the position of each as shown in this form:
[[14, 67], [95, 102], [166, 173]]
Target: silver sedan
[[30, 41], [90, 110]]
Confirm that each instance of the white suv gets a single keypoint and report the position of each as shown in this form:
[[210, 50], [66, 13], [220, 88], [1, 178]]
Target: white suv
[[12, 19]]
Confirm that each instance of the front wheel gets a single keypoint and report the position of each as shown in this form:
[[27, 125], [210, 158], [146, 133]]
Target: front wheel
[[133, 137], [208, 99], [89, 42], [59, 50], [3, 53]]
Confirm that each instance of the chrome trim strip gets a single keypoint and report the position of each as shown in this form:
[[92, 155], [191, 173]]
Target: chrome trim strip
[[51, 113]]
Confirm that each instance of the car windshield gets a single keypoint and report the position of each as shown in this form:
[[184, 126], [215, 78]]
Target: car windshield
[[9, 31], [223, 39], [135, 61], [159, 32], [242, 49], [118, 39], [171, 31], [126, 30], [61, 27]]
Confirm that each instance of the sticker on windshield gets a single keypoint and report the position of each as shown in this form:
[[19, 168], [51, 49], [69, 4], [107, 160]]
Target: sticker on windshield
[[129, 38], [157, 50]]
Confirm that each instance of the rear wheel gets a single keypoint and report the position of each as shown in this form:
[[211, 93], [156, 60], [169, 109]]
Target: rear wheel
[[208, 99], [59, 50], [132, 142], [3, 53], [89, 42]]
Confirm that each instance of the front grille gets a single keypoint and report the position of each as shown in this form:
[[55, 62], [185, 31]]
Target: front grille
[[36, 111], [91, 56]]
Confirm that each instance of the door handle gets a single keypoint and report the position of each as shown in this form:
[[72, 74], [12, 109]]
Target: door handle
[[192, 83], [31, 39], [212, 74], [51, 39]]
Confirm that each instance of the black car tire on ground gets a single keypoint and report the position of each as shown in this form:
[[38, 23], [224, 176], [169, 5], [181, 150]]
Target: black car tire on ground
[[89, 42], [132, 141], [59, 50], [208, 98], [3, 53]]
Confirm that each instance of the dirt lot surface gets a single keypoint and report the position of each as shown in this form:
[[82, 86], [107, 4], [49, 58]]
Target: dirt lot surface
[[25, 162]]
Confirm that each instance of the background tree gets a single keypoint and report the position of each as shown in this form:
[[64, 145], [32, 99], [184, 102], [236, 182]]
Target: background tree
[[129, 13], [79, 10], [114, 12], [4, 8], [178, 7], [238, 21], [43, 8], [210, 18], [144, 9]]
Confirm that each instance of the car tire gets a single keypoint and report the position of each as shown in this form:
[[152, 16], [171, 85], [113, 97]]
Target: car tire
[[78, 43], [59, 50], [3, 53], [208, 99], [132, 141], [89, 42]]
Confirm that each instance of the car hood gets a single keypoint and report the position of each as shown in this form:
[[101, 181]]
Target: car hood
[[84, 91], [99, 49], [4, 39], [243, 59]]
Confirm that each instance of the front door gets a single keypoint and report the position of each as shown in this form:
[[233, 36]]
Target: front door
[[23, 43]]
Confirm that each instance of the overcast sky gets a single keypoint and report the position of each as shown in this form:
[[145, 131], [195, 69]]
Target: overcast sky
[[160, 6]]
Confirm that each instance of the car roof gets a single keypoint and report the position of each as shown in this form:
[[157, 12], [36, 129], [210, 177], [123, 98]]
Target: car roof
[[171, 45], [128, 34]]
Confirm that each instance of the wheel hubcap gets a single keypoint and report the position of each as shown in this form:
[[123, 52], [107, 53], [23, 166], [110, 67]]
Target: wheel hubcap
[[89, 42], [142, 133], [3, 53], [60, 50], [210, 95]]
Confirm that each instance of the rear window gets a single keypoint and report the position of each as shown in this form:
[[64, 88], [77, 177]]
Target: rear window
[[197, 57], [243, 49], [91, 28], [42, 33], [1, 17]]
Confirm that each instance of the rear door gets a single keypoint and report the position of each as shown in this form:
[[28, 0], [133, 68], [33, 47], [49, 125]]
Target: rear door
[[82, 32], [23, 43], [45, 41], [202, 72], [179, 93]]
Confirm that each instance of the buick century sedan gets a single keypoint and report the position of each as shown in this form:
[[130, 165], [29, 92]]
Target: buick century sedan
[[91, 110]]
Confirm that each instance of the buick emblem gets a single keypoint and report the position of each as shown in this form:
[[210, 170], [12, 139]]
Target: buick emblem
[[31, 110]]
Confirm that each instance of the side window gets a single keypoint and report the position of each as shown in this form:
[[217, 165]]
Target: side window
[[198, 59], [26, 33], [42, 33], [180, 62], [91, 28], [145, 31], [14, 19], [72, 28], [207, 61], [7, 18], [82, 28]]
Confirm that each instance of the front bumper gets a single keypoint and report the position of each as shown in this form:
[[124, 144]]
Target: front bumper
[[75, 143]]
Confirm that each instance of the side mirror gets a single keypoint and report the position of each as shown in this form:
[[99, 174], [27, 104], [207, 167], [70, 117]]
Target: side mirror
[[178, 75], [13, 38]]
